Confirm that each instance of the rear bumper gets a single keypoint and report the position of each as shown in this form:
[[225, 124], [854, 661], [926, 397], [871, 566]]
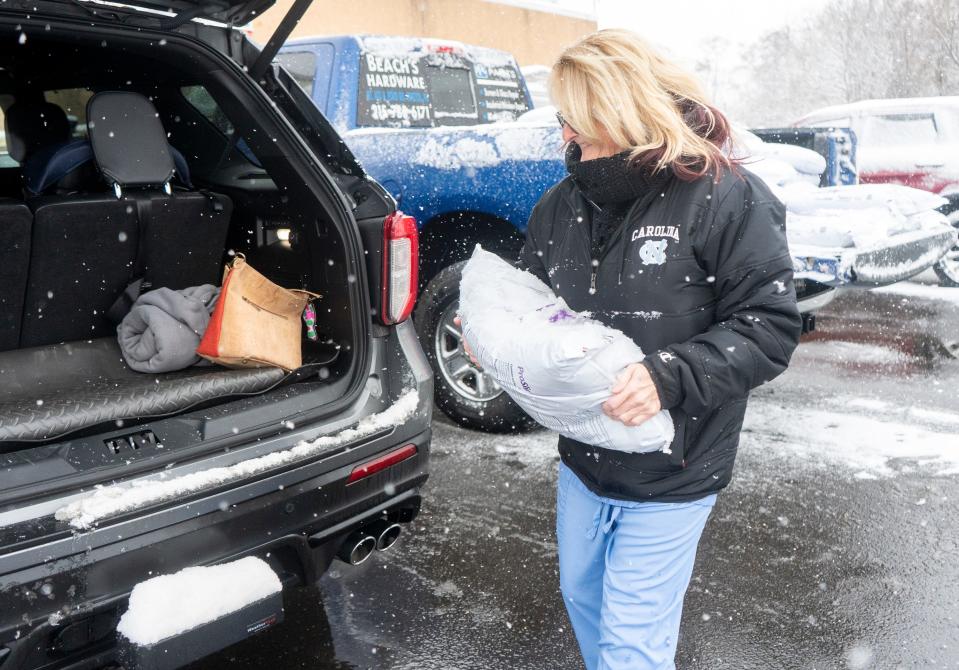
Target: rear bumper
[[814, 297], [888, 265], [901, 257], [62, 613]]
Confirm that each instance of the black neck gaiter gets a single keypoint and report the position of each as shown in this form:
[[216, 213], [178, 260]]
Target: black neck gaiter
[[612, 179]]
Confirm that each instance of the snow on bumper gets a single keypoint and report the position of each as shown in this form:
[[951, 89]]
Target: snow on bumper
[[907, 258], [894, 259], [168, 605], [108, 501]]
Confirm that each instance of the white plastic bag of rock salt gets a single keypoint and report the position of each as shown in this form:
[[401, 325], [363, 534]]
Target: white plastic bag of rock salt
[[557, 364]]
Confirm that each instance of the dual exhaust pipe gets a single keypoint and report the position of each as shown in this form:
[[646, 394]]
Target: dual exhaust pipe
[[360, 544]]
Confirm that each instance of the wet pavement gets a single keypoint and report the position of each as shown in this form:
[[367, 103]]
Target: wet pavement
[[836, 545]]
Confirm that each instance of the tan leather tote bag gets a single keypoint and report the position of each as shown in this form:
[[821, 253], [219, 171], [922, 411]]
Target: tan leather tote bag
[[255, 322]]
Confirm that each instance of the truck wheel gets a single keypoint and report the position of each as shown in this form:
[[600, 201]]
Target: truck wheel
[[464, 393], [947, 268]]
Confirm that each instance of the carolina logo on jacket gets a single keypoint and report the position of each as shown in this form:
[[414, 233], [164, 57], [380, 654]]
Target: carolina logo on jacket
[[653, 252], [655, 231]]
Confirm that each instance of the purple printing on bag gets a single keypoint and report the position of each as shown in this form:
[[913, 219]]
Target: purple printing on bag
[[561, 315], [522, 380]]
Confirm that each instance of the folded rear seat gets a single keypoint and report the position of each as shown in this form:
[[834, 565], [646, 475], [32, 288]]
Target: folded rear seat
[[183, 233], [31, 126], [88, 248], [15, 222], [81, 259]]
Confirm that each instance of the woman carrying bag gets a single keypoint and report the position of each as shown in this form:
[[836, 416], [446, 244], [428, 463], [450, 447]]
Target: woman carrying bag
[[657, 233]]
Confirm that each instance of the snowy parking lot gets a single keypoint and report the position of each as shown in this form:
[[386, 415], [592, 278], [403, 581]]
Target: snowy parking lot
[[834, 547]]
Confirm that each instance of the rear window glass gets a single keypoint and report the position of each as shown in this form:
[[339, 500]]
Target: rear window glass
[[900, 130], [204, 103], [416, 90], [451, 92], [302, 67], [73, 101], [5, 159]]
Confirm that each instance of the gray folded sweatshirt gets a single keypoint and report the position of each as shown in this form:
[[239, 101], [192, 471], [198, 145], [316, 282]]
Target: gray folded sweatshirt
[[164, 327]]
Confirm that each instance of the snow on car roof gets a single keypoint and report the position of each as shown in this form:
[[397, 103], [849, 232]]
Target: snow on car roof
[[394, 46], [880, 104], [388, 45]]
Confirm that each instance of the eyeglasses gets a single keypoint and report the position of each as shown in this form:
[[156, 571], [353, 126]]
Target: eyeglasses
[[563, 122]]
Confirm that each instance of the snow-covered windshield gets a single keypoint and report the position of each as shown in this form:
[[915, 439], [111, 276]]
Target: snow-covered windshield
[[896, 130]]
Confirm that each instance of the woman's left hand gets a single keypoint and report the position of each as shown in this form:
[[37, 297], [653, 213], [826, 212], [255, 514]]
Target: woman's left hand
[[635, 398]]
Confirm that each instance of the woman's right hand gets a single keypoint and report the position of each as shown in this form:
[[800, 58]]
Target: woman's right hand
[[466, 348]]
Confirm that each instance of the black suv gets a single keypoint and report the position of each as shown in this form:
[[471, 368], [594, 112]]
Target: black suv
[[152, 143]]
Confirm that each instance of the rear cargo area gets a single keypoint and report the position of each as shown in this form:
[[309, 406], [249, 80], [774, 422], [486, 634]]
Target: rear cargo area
[[83, 218]]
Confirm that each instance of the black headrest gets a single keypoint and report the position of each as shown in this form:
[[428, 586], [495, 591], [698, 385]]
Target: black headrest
[[129, 142], [32, 126]]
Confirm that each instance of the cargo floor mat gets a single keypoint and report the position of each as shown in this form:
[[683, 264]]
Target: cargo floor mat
[[49, 391]]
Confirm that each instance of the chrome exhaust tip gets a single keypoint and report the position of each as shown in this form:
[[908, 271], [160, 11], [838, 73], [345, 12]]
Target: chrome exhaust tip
[[387, 534], [357, 548]]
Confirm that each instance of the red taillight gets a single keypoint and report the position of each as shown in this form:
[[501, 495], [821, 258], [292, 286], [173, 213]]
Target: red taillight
[[401, 255], [381, 463]]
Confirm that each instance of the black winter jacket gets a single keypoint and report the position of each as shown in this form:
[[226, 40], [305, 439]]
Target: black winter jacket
[[699, 275]]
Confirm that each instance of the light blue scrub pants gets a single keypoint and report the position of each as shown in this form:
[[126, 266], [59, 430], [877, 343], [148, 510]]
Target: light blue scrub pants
[[623, 571]]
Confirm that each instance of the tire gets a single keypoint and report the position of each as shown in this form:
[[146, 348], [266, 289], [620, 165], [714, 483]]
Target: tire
[[469, 398], [947, 269]]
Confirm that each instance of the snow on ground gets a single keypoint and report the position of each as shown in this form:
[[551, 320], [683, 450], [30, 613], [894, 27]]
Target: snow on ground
[[938, 420], [851, 436], [169, 605], [923, 291], [870, 447], [932, 415], [116, 499], [853, 353], [534, 448], [868, 438]]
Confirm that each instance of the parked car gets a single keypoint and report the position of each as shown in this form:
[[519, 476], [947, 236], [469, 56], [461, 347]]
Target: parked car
[[836, 145], [909, 141], [536, 77], [863, 235], [189, 148], [448, 129]]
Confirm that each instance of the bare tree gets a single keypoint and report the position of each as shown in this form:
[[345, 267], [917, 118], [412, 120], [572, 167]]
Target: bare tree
[[852, 50]]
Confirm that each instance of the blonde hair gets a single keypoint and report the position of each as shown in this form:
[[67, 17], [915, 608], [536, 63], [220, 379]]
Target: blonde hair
[[612, 86]]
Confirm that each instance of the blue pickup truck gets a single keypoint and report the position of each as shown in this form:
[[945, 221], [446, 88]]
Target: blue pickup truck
[[447, 129], [425, 119]]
